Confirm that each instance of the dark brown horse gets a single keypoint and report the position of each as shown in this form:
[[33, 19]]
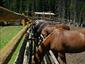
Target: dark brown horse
[[61, 41]]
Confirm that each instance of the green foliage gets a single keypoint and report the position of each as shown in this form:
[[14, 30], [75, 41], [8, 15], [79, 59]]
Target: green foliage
[[69, 9]]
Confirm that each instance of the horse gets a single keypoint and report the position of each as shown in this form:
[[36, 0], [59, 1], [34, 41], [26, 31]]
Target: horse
[[49, 28], [61, 41], [38, 26]]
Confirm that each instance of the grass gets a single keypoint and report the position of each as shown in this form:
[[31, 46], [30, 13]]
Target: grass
[[7, 33], [0, 27], [15, 54]]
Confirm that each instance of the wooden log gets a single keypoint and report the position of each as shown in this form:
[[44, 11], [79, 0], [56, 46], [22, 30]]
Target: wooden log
[[8, 15]]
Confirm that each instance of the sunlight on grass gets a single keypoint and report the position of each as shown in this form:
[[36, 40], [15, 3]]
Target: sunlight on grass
[[15, 54], [7, 33]]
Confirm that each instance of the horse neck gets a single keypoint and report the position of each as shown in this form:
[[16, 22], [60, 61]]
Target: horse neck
[[42, 49], [40, 52]]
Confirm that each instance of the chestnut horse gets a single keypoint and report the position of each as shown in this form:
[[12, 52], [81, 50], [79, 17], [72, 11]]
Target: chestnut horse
[[38, 26], [49, 28], [61, 41]]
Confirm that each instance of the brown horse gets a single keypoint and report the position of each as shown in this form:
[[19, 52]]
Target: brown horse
[[49, 28], [61, 41]]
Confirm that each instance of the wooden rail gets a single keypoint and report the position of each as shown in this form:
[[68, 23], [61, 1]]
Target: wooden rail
[[53, 57], [8, 49], [8, 15]]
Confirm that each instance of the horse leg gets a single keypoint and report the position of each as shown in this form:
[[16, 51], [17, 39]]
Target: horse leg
[[56, 55], [62, 57]]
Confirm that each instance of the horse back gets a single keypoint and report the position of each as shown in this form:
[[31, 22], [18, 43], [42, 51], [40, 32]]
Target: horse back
[[82, 30], [74, 41]]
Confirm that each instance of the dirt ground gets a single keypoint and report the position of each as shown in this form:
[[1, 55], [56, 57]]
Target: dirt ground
[[75, 58]]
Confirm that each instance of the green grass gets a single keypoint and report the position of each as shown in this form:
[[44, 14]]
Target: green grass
[[7, 33], [0, 27], [15, 54]]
